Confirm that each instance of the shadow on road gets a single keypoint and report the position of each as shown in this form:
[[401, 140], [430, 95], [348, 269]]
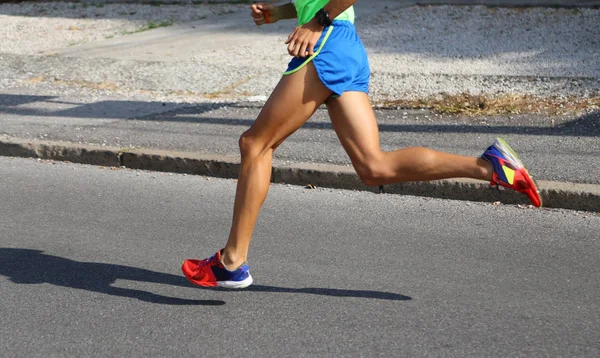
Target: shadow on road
[[332, 292], [587, 125], [27, 266]]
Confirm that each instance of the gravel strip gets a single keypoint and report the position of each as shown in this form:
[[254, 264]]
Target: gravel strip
[[415, 52], [35, 28]]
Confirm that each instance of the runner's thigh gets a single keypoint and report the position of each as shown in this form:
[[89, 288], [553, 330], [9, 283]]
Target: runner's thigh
[[293, 101]]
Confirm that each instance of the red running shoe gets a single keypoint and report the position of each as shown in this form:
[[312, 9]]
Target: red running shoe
[[510, 172], [210, 272]]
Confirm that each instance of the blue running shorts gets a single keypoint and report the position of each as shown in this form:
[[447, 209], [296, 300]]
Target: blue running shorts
[[340, 59]]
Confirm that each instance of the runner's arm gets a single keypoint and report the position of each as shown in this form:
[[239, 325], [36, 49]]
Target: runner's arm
[[287, 11], [267, 13], [302, 40]]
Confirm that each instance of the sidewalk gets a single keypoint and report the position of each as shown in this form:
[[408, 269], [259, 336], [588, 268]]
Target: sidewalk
[[140, 101]]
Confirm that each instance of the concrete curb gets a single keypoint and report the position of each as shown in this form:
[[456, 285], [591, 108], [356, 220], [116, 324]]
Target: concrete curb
[[585, 197]]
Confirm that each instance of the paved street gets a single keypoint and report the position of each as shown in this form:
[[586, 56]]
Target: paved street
[[89, 266]]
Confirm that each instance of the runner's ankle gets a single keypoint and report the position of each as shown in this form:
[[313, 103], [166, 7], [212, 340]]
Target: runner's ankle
[[231, 262]]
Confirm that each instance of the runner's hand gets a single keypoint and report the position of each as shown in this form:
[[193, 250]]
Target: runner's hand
[[302, 41], [258, 13]]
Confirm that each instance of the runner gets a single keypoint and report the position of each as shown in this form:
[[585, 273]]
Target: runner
[[330, 66]]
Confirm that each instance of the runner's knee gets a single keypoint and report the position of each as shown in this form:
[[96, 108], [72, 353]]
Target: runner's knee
[[251, 147], [374, 172], [247, 145]]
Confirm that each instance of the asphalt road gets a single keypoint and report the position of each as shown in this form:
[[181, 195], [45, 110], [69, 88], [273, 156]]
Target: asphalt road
[[89, 266]]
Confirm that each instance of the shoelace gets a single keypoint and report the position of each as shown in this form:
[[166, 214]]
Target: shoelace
[[211, 261]]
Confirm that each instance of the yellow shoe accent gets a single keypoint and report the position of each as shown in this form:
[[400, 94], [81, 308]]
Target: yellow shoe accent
[[510, 174]]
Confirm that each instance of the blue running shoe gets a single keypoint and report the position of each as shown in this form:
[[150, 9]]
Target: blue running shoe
[[211, 273], [510, 172]]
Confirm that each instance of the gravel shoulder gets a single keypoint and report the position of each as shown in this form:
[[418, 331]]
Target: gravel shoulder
[[211, 52], [38, 28]]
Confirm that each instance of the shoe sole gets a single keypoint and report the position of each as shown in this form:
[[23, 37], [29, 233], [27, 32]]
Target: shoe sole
[[505, 148], [236, 284]]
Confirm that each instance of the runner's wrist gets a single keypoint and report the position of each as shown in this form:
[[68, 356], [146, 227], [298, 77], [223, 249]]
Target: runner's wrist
[[314, 25], [323, 18]]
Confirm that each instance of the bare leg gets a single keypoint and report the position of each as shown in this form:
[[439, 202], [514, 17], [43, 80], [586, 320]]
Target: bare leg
[[354, 122], [291, 104]]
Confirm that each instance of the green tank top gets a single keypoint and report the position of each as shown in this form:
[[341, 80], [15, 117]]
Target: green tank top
[[307, 9]]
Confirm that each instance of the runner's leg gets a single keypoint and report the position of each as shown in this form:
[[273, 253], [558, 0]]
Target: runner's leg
[[294, 100], [355, 124]]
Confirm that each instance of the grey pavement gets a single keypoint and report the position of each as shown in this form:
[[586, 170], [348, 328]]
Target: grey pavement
[[89, 267]]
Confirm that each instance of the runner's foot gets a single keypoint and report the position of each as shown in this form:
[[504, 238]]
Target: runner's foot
[[510, 172], [211, 272]]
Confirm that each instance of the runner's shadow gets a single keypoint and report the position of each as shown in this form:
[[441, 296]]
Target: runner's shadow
[[335, 292], [26, 266]]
